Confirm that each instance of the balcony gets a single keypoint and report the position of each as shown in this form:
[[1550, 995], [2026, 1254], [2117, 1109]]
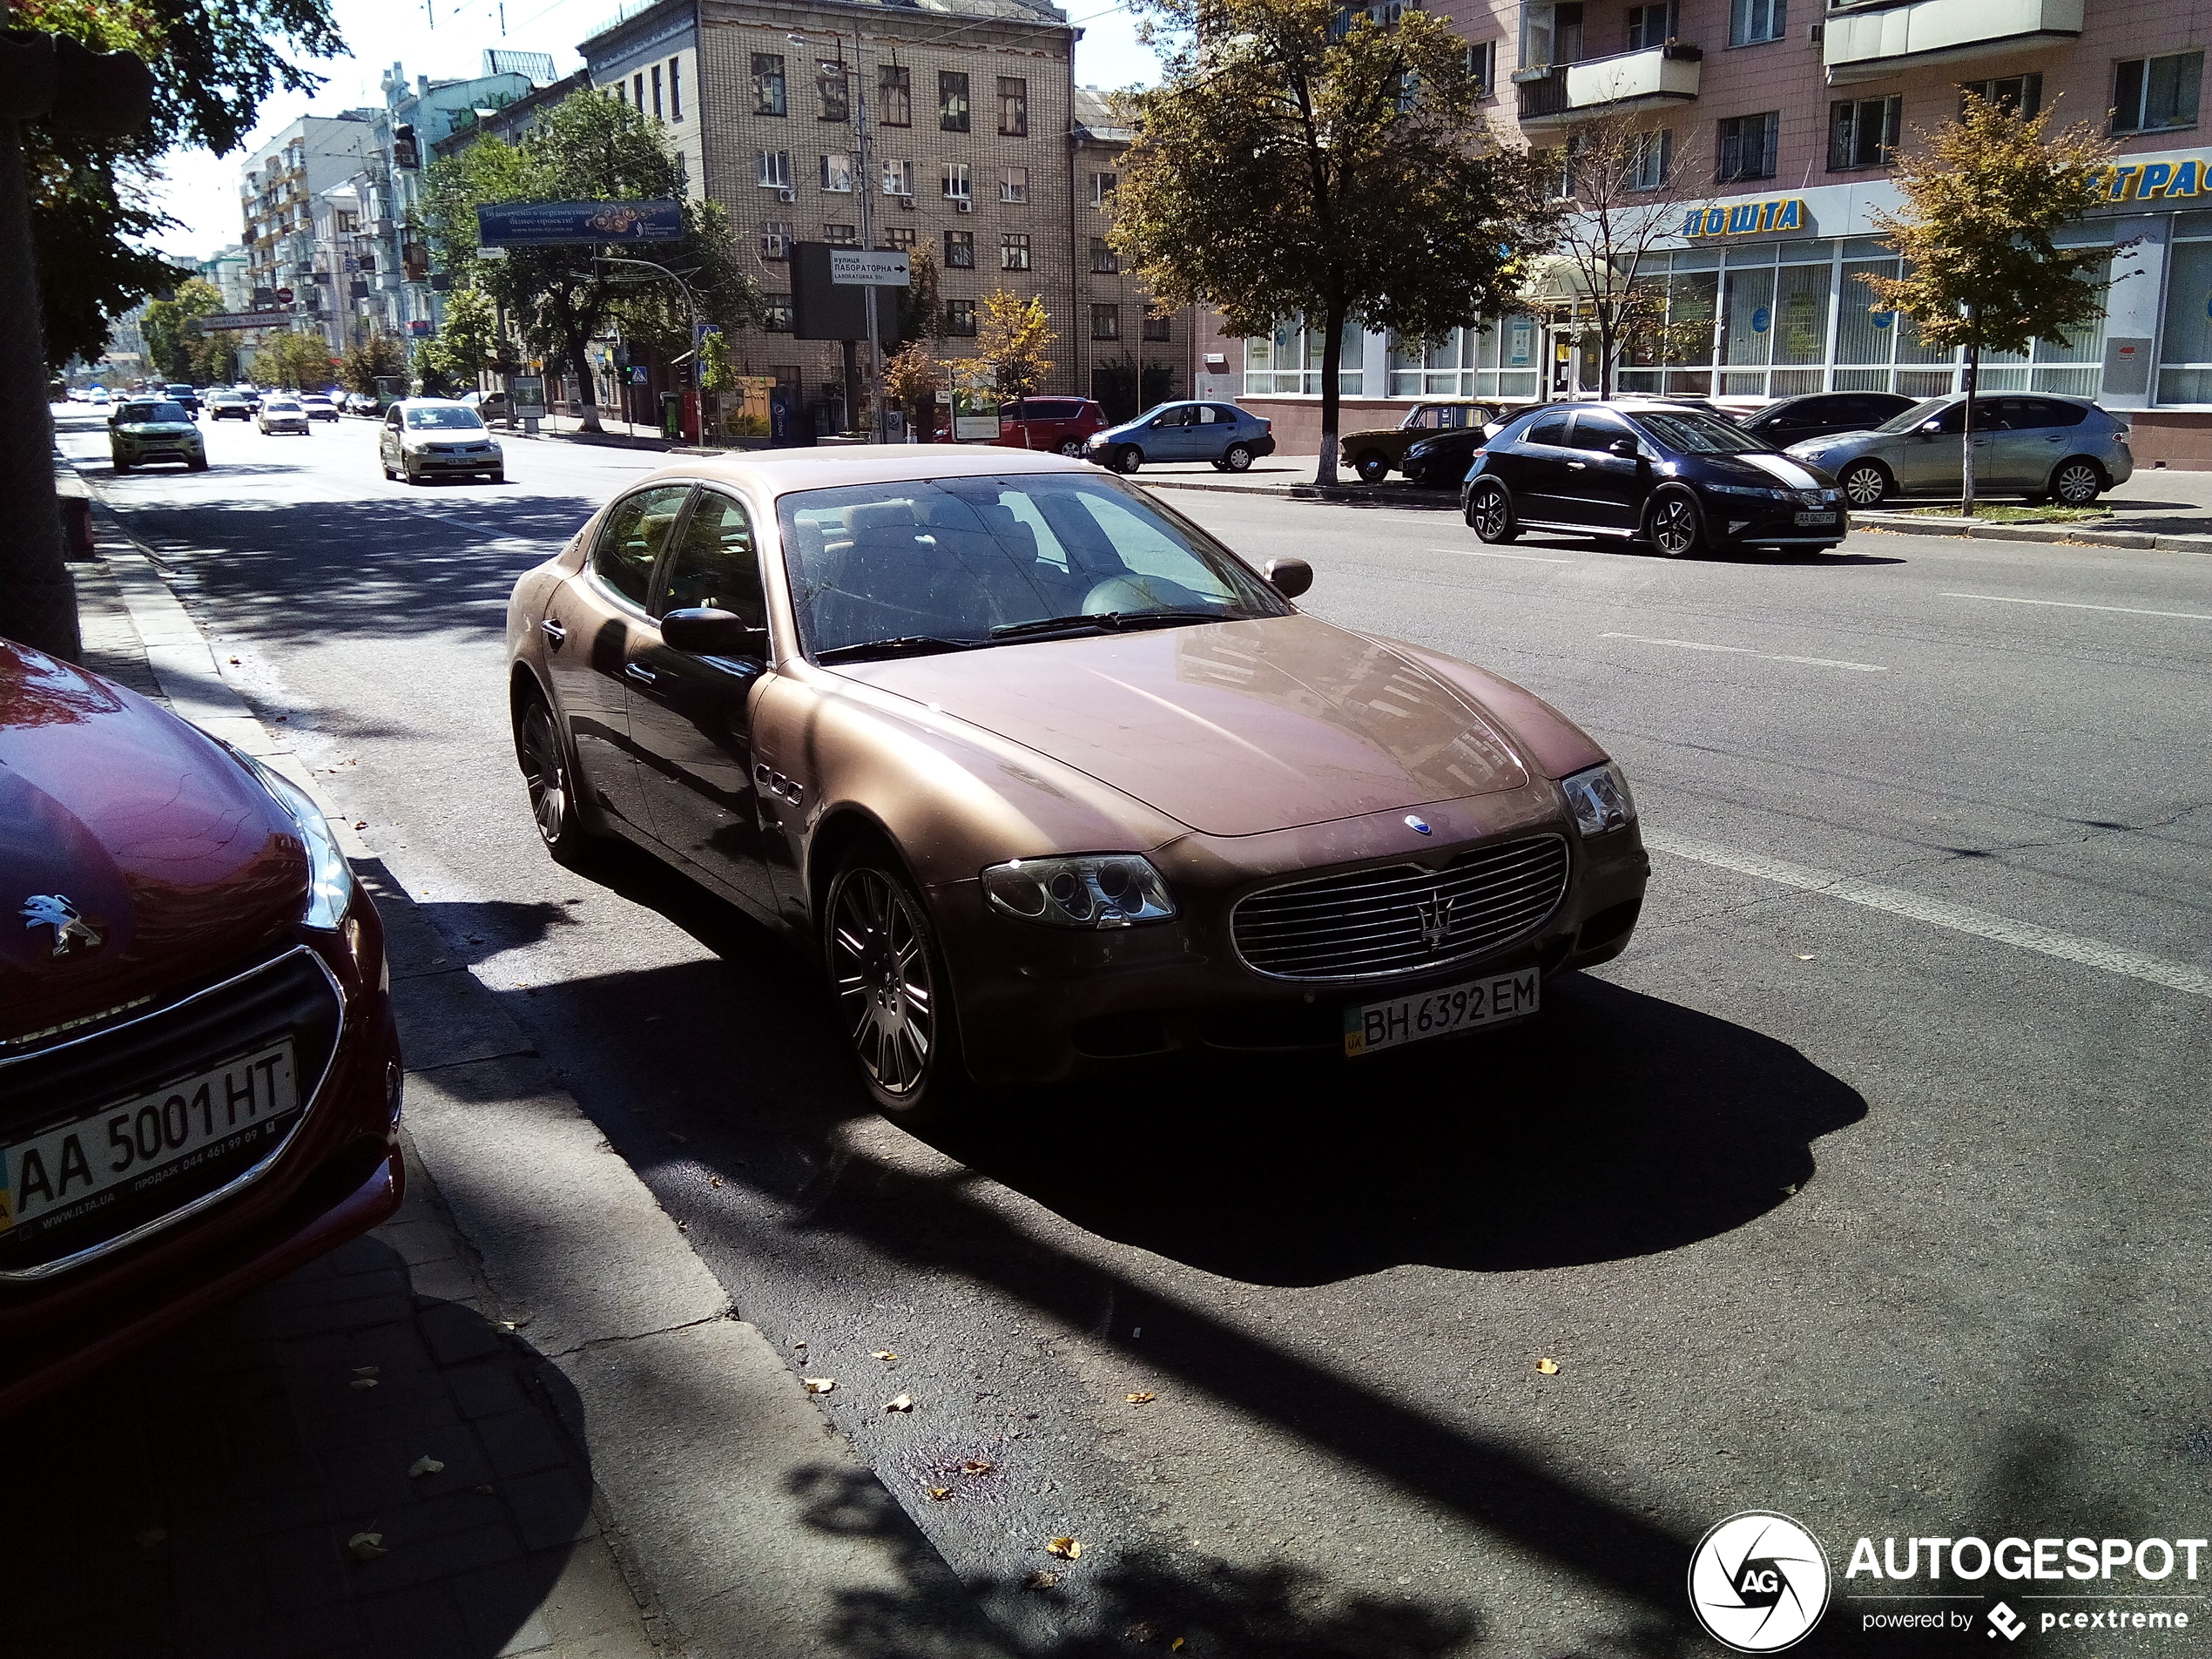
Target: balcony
[[1568, 93], [1879, 37]]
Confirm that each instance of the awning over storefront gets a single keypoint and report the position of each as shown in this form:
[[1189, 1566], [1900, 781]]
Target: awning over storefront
[[1557, 280]]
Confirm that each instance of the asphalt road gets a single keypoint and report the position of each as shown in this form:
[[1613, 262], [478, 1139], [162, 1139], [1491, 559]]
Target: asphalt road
[[1870, 1186]]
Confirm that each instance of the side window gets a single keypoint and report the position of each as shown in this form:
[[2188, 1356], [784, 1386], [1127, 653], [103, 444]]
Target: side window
[[1596, 431], [630, 541], [1549, 428], [2043, 411], [715, 564], [1952, 420], [1226, 415]]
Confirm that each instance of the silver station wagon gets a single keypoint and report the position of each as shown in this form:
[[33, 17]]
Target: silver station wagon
[[2063, 448]]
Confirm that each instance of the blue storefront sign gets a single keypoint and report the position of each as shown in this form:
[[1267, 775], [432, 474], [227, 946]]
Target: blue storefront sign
[[556, 224], [1762, 320]]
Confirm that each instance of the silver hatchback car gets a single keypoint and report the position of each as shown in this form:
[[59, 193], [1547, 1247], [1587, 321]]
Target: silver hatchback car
[[2064, 447]]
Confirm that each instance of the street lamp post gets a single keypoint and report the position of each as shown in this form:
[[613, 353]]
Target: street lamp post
[[865, 182]]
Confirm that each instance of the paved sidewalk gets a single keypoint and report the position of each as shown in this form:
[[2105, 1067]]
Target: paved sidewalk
[[628, 1469]]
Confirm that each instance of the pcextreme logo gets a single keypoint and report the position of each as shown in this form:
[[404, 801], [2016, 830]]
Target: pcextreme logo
[[1759, 1583]]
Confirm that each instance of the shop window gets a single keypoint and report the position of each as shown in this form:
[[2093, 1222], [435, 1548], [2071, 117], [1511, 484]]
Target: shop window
[[2152, 94], [1748, 146], [1864, 132]]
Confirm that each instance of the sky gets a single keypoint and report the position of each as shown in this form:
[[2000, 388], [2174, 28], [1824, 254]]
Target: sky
[[445, 40]]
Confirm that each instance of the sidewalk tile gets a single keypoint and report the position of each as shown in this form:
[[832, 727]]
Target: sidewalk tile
[[484, 1391], [550, 1509], [457, 1334], [521, 1443], [409, 1623]]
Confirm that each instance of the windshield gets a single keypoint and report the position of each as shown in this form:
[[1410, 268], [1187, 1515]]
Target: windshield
[[147, 414], [1691, 432], [279, 405], [957, 561], [1906, 420], [444, 417]]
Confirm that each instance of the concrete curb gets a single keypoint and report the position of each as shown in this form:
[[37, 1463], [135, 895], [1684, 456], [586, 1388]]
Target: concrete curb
[[1341, 495], [2067, 534], [703, 1448]]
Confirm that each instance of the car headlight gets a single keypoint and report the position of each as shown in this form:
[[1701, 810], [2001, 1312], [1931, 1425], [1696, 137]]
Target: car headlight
[[1753, 492], [330, 879], [1096, 890], [1600, 798]]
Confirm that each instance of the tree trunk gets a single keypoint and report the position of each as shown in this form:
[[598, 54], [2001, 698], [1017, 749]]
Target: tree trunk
[[1966, 443], [1325, 471], [587, 397], [38, 599]]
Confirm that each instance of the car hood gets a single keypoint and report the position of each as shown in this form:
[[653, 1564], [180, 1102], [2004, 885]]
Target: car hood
[[1785, 471], [146, 829], [158, 428], [1232, 728], [1856, 438]]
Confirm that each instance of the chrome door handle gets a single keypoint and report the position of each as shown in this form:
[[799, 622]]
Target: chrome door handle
[[1577, 466], [2054, 437], [639, 673], [553, 630]]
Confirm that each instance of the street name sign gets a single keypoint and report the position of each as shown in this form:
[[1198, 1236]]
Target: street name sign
[[558, 224], [870, 268], [247, 319]]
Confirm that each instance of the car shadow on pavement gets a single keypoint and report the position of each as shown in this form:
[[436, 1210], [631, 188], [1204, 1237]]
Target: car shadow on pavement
[[201, 1495]]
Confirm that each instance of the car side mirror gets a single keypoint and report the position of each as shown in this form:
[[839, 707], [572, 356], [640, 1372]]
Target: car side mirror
[[704, 631], [1625, 448], [1928, 429], [1289, 578]]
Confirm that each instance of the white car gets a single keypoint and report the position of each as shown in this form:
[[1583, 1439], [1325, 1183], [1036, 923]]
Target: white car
[[97, 394], [283, 414], [318, 407]]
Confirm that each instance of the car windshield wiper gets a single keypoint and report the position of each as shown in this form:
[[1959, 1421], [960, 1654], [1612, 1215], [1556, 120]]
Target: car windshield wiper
[[904, 645], [1107, 621]]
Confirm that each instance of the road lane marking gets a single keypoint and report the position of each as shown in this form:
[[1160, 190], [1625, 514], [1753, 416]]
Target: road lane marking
[[1939, 913], [1484, 553], [1746, 650], [2073, 604]]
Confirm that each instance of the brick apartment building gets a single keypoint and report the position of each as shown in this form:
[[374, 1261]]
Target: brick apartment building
[[1801, 106]]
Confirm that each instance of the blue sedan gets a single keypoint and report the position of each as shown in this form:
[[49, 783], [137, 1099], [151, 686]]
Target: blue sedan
[[1229, 437]]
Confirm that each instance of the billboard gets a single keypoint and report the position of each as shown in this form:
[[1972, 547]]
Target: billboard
[[557, 224]]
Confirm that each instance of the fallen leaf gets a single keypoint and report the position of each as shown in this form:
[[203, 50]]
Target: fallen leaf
[[884, 1354], [233, 662], [362, 1382], [1141, 1399], [903, 1403], [818, 1384], [941, 1493], [361, 823], [366, 1546], [422, 1465], [1175, 1646], [976, 1465], [1548, 1367], [152, 1538], [1790, 1192], [1041, 1581], [1805, 957], [799, 1342], [714, 1180], [1066, 1549]]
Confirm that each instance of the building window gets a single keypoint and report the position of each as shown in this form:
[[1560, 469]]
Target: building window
[[960, 319], [1650, 26], [900, 237], [775, 169], [1159, 324], [1864, 132], [1014, 251], [837, 174], [959, 250], [898, 178], [952, 100], [1014, 107], [1105, 322], [657, 109], [1103, 261], [775, 313], [1102, 187], [894, 89], [831, 86], [1013, 184], [956, 187], [1750, 21], [1651, 157], [1748, 145], [1550, 35], [1483, 67], [675, 89], [775, 240], [2021, 95], [637, 92], [841, 235], [2150, 94], [767, 83]]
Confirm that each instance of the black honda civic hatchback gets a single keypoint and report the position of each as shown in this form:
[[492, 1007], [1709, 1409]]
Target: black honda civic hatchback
[[1632, 470]]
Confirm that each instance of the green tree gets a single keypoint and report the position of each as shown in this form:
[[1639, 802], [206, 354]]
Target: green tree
[[1985, 196], [589, 149], [467, 338], [921, 311], [1301, 160], [171, 326], [911, 378], [1013, 335], [296, 360], [432, 378], [380, 357]]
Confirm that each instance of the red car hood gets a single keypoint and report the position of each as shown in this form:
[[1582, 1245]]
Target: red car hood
[[1233, 728], [121, 823]]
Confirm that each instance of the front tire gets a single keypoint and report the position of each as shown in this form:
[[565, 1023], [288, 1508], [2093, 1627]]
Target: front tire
[[1237, 457], [1072, 448], [1373, 466], [2076, 484], [1864, 483], [1677, 528], [1127, 458], [543, 756], [1490, 514], [893, 996]]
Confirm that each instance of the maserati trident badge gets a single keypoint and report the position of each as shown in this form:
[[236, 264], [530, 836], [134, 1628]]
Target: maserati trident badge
[[1417, 824], [71, 931]]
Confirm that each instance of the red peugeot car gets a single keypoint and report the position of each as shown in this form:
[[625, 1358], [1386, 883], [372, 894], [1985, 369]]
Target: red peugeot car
[[199, 1077], [1058, 425]]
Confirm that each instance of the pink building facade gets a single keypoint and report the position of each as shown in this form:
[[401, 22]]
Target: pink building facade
[[1779, 119]]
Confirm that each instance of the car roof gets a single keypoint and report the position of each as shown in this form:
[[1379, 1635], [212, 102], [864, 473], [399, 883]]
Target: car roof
[[428, 403], [785, 472]]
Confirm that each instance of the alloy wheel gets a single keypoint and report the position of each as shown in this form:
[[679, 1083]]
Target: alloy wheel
[[1490, 514], [1127, 458], [880, 970], [1238, 459], [545, 769], [1072, 448], [2076, 484], [1865, 484], [1674, 526]]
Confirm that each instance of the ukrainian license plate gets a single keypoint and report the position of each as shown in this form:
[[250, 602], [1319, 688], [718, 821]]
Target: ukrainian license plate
[[133, 1145], [1808, 520], [1441, 1012]]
